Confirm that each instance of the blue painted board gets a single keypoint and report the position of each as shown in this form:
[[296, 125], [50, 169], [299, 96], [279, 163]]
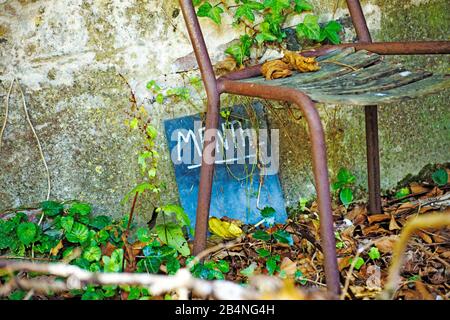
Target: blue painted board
[[235, 185]]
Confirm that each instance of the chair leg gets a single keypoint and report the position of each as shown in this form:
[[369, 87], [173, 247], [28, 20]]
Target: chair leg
[[320, 168], [206, 176], [373, 159]]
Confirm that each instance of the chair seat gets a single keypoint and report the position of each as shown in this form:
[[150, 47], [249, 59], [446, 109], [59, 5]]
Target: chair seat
[[360, 78]]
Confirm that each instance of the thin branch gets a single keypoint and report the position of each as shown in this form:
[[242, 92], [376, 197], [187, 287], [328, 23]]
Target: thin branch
[[158, 284], [2, 130]]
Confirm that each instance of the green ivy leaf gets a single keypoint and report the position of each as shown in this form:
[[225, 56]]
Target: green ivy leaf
[[345, 176], [93, 253], [302, 5], [309, 29], [113, 263], [100, 222], [173, 265], [182, 217], [144, 234], [299, 277], [336, 185], [261, 235], [403, 192], [67, 223], [440, 177], [263, 253], [359, 263], [331, 32], [27, 232], [172, 235], [78, 234], [223, 266], [241, 50], [51, 208], [374, 254], [264, 36], [346, 196], [83, 209], [277, 5], [207, 10], [272, 264], [284, 237], [246, 10], [17, 295]]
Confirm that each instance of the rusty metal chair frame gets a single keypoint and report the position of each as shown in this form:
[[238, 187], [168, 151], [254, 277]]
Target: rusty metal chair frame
[[230, 84]]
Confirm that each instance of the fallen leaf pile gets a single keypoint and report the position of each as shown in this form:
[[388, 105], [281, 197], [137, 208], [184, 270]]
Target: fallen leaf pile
[[283, 68]]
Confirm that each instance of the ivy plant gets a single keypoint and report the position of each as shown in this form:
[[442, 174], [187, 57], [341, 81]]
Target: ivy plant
[[263, 21], [345, 179]]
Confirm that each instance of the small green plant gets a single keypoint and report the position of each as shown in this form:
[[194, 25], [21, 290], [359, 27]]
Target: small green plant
[[374, 254], [403, 192], [209, 270], [359, 263], [440, 177], [263, 22], [345, 179], [339, 242]]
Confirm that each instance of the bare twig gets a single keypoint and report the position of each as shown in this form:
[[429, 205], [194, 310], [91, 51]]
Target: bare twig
[[5, 120], [158, 284]]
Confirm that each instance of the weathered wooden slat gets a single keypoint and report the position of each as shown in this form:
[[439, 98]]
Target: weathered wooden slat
[[336, 54], [380, 84], [358, 77], [413, 90]]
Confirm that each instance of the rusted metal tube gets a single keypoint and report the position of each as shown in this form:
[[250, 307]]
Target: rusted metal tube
[[212, 119], [371, 116], [373, 159], [319, 157], [359, 21], [396, 48], [206, 176], [200, 50]]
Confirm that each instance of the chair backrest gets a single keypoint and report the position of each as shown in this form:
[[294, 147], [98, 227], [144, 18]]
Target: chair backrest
[[201, 51]]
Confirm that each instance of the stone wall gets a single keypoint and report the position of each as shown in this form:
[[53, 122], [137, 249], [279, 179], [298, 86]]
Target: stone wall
[[68, 54]]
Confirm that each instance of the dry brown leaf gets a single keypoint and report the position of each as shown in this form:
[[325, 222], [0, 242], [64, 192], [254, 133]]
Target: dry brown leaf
[[275, 69], [393, 224], [344, 262], [375, 229], [436, 192], [405, 207], [378, 218], [108, 249], [298, 62], [289, 267], [424, 236], [225, 66], [422, 289], [417, 188], [373, 281], [386, 245], [356, 213]]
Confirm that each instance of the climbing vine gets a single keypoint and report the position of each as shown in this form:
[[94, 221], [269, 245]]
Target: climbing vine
[[264, 23]]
